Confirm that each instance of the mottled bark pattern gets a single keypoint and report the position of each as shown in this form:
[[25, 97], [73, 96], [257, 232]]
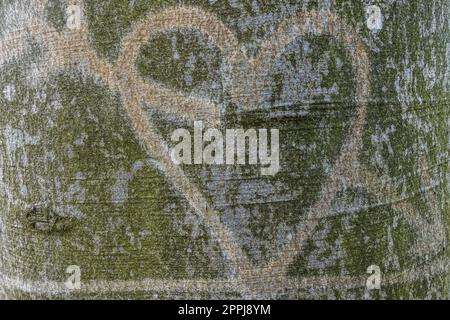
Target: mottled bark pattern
[[86, 115]]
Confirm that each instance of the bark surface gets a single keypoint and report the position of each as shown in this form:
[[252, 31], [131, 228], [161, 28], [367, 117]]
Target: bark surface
[[359, 91]]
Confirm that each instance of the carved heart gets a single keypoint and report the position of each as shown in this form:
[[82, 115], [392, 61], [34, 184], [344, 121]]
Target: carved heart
[[248, 81]]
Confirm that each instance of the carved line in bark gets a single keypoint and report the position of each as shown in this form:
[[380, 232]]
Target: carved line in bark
[[266, 289]]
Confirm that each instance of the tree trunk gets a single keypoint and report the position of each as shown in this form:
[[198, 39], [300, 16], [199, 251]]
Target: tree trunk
[[93, 206]]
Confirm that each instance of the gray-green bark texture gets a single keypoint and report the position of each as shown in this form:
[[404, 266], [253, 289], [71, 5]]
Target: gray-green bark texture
[[359, 91]]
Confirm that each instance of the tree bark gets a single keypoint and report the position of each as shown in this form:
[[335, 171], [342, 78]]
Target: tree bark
[[92, 205]]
